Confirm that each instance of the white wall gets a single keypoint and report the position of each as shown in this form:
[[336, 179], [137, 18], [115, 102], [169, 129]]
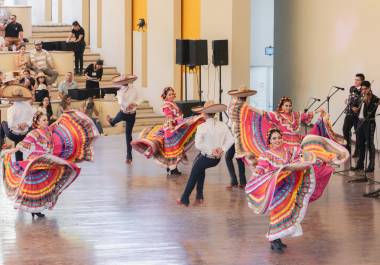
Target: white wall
[[262, 24], [160, 50], [94, 25], [38, 11], [71, 11], [113, 30]]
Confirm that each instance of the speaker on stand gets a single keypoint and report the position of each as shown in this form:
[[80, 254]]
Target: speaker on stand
[[220, 58], [198, 57], [182, 57]]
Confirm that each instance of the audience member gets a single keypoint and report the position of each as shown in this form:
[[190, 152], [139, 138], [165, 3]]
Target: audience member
[[42, 61], [46, 109], [65, 105], [67, 84], [94, 73], [27, 80], [41, 88], [14, 33], [22, 59], [91, 111]]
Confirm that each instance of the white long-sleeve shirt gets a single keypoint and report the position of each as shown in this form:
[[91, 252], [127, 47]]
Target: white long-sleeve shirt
[[18, 113], [126, 96], [213, 134]]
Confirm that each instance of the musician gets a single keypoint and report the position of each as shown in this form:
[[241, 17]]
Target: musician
[[366, 126], [351, 119]]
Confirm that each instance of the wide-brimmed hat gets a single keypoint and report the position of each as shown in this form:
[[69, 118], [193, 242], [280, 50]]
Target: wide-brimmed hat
[[210, 107], [16, 93], [40, 74], [242, 92], [124, 79]]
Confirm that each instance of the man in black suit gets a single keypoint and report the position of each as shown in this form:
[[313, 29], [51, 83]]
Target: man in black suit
[[367, 126], [351, 119]]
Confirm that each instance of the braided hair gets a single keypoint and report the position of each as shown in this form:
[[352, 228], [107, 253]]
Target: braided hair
[[166, 91], [36, 118], [271, 132], [283, 100]]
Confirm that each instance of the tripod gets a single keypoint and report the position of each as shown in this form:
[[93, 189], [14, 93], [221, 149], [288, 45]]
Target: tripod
[[308, 106]]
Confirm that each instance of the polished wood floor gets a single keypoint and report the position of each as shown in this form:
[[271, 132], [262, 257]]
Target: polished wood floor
[[116, 214]]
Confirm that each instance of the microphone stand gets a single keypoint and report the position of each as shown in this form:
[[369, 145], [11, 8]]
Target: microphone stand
[[350, 135], [307, 109], [328, 100]]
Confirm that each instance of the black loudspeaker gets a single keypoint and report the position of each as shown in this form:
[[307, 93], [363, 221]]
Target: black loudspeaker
[[182, 52], [220, 52], [186, 106], [198, 52]]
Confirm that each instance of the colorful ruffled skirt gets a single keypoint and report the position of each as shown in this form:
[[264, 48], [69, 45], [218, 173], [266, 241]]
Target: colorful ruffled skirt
[[168, 147], [36, 183]]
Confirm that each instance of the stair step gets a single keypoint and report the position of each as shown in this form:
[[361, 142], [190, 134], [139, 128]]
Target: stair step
[[52, 34]]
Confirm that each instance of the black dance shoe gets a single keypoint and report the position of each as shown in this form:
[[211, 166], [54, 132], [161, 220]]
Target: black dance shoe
[[39, 215], [276, 246], [175, 172], [282, 244], [370, 169], [358, 167]]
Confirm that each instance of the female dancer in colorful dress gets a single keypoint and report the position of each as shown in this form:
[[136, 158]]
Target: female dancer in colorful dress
[[35, 183], [284, 182], [168, 143]]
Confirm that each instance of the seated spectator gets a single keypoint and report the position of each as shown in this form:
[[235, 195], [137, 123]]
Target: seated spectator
[[94, 73], [65, 105], [14, 33], [67, 84], [91, 111], [45, 108], [27, 80], [41, 88], [22, 59], [41, 61]]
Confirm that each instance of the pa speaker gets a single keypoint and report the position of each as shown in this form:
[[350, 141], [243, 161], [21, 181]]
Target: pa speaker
[[198, 52], [186, 106], [182, 52], [220, 52]]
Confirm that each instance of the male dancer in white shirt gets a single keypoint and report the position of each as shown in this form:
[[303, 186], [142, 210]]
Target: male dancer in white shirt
[[128, 100], [212, 139], [19, 119]]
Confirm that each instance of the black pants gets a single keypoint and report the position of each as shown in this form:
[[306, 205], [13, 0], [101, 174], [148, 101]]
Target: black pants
[[197, 177], [16, 138], [231, 169], [349, 122], [78, 53], [366, 133], [129, 123]]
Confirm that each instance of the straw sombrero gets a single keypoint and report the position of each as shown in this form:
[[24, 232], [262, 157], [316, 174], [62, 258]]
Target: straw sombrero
[[242, 92], [124, 79], [16, 93], [210, 107]]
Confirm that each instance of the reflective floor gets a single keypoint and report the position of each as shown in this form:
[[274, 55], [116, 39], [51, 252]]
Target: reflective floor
[[115, 214]]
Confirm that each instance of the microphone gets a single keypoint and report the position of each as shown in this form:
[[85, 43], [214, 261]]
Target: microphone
[[316, 99], [340, 88]]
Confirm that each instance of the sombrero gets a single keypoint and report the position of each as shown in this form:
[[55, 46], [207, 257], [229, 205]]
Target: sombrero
[[210, 107], [242, 92], [124, 79], [16, 93]]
